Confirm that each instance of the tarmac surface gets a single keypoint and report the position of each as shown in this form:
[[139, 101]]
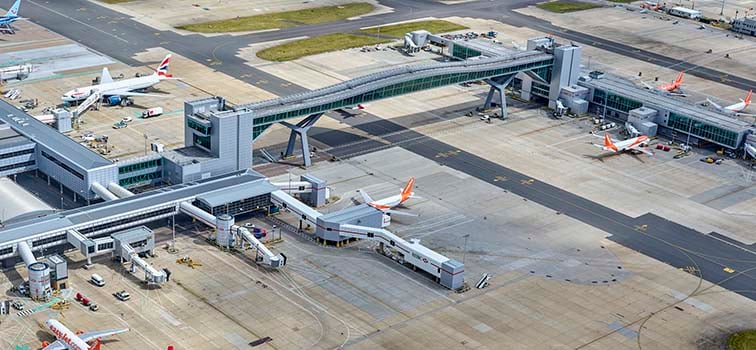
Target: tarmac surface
[[705, 255], [710, 256]]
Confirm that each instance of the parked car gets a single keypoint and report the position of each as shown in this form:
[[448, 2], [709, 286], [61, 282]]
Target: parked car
[[18, 305], [94, 307], [97, 280], [122, 295]]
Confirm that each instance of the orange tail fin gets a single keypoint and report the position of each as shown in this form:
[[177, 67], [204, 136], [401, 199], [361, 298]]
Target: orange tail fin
[[608, 144], [748, 98], [608, 141], [679, 79], [96, 346], [407, 190]]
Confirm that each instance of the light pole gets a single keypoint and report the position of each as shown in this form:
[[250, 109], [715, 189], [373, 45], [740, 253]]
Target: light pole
[[464, 252], [721, 12], [173, 233], [145, 143]]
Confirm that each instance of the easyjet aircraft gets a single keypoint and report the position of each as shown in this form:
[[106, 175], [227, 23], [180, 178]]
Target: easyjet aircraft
[[632, 144], [673, 87], [385, 205], [68, 340], [734, 108]]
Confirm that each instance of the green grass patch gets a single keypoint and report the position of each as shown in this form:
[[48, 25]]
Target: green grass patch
[[398, 30], [319, 44], [745, 340], [562, 6], [282, 19]]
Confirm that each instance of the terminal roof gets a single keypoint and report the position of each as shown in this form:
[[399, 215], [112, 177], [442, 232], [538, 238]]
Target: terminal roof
[[105, 210], [40, 133]]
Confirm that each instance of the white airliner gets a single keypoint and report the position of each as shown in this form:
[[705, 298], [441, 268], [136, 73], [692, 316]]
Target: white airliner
[[126, 87], [387, 204], [632, 144], [733, 108], [68, 340]]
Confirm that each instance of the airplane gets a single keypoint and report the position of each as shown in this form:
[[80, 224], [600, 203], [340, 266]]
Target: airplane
[[68, 340], [387, 204], [10, 17], [672, 87], [359, 106], [733, 108], [633, 144], [126, 87]]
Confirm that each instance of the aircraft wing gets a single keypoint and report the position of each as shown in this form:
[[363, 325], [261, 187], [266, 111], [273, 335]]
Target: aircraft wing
[[365, 196], [401, 213], [642, 149], [647, 85], [130, 93], [56, 345], [717, 106], [89, 336]]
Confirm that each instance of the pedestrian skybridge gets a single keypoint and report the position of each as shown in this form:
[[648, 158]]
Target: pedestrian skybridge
[[393, 82]]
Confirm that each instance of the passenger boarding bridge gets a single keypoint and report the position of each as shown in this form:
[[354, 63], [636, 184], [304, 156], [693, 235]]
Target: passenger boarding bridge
[[389, 83]]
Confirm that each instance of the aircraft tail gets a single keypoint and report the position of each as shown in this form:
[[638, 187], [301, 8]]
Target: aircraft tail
[[13, 12], [96, 345], [679, 79], [747, 100], [608, 143], [407, 190], [162, 70]]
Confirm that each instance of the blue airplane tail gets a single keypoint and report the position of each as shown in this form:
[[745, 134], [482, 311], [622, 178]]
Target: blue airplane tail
[[13, 12]]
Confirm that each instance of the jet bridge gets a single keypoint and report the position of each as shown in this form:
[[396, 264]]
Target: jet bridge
[[129, 244], [227, 234], [340, 226], [285, 201], [448, 272]]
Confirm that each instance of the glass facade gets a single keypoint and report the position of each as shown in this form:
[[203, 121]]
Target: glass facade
[[140, 179], [615, 102], [17, 153], [238, 207], [401, 89], [115, 223], [703, 130], [203, 141], [540, 89], [153, 163], [16, 166], [459, 51], [207, 130]]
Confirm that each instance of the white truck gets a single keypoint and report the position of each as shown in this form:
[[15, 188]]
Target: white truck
[[152, 112]]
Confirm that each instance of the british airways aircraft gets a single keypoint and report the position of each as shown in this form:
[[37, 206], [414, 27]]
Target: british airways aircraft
[[10, 17]]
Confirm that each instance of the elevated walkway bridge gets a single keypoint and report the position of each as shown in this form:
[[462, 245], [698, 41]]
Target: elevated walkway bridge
[[388, 83]]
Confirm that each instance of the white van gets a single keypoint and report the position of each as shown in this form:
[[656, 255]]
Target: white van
[[97, 280]]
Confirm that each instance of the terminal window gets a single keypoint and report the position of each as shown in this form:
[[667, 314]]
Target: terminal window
[[703, 130]]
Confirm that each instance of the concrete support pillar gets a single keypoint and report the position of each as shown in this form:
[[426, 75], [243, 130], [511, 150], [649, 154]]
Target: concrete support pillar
[[301, 129], [498, 84]]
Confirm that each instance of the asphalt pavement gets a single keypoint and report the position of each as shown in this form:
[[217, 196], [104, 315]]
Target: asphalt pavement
[[706, 255], [713, 257]]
